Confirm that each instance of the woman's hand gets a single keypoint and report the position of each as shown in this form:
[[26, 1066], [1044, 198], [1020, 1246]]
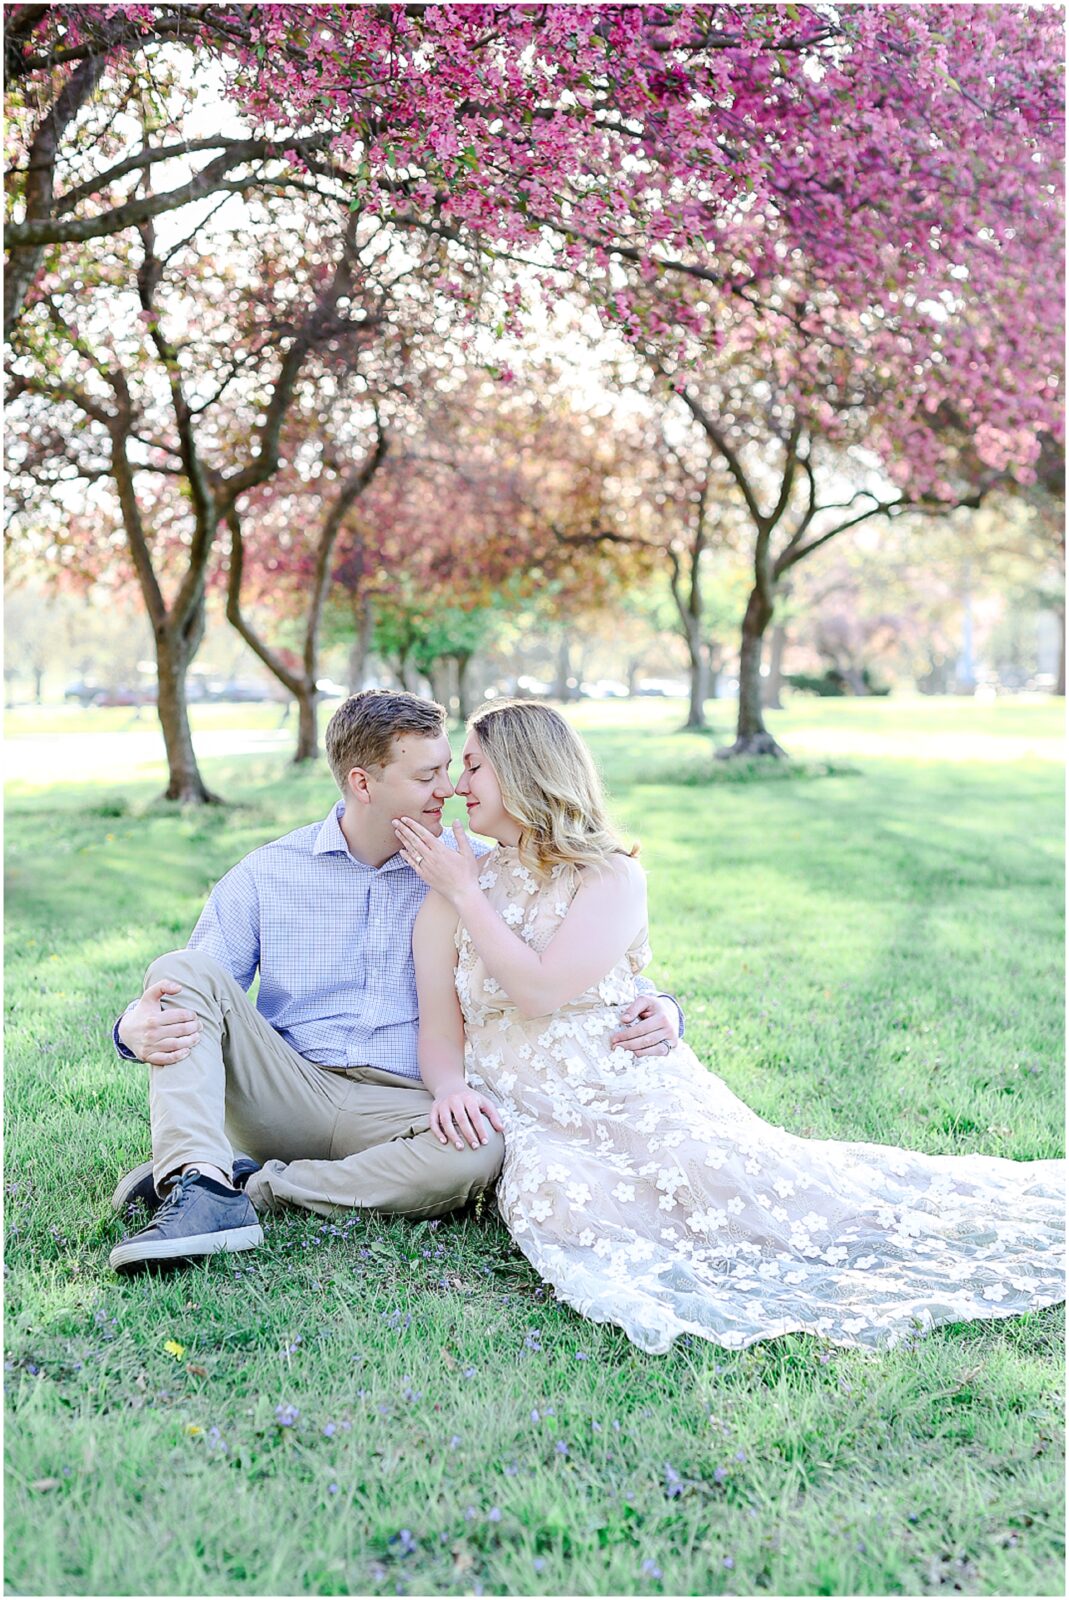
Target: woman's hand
[[459, 1115], [453, 873]]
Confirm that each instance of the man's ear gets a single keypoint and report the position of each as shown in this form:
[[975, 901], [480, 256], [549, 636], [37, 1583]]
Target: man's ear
[[356, 780]]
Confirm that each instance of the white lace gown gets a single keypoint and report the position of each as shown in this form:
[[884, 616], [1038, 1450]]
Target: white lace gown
[[650, 1196]]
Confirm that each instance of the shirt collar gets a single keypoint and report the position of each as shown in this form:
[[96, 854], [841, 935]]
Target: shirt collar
[[331, 841]]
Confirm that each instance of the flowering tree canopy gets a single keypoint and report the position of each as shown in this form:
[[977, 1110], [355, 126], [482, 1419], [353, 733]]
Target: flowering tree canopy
[[909, 154]]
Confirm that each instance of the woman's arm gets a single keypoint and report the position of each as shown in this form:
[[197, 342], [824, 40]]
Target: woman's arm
[[608, 910], [457, 1113]]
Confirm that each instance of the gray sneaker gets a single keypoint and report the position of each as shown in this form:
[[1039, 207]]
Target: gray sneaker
[[137, 1187], [199, 1217]]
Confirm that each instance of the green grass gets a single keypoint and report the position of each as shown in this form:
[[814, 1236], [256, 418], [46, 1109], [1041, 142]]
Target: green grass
[[874, 954]]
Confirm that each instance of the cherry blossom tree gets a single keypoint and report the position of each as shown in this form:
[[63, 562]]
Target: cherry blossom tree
[[131, 371]]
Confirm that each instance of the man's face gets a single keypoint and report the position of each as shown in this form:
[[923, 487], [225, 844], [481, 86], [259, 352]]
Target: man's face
[[414, 782]]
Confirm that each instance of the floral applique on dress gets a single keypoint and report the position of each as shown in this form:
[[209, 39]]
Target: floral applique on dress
[[651, 1197]]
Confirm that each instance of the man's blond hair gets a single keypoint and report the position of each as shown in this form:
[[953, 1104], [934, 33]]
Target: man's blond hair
[[362, 731]]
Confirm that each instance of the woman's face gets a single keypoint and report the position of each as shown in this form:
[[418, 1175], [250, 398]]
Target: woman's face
[[478, 786]]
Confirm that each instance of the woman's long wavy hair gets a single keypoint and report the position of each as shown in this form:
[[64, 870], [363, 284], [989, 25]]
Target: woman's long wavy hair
[[549, 785]]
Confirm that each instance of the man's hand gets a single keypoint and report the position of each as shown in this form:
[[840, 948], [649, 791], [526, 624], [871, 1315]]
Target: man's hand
[[650, 1027], [459, 1116], [157, 1036]]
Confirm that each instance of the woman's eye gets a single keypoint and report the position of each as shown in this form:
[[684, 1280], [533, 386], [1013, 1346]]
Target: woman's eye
[[473, 769]]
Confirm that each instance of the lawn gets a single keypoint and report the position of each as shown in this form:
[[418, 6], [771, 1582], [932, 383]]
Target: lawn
[[871, 950]]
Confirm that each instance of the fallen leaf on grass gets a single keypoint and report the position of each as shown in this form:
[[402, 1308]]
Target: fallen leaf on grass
[[451, 1361], [197, 1372], [42, 1485]]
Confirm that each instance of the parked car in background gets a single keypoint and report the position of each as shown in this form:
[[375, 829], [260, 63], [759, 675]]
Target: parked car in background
[[671, 688], [604, 689], [245, 691], [126, 694], [81, 692]]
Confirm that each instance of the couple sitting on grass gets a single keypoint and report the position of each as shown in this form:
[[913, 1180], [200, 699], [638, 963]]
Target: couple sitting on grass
[[436, 1015]]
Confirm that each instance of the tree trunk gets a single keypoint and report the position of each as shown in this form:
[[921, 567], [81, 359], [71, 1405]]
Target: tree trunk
[[1059, 687], [438, 673], [464, 708], [361, 648], [561, 688], [752, 738], [774, 682], [307, 724], [714, 659], [699, 677], [633, 665], [184, 782], [38, 674]]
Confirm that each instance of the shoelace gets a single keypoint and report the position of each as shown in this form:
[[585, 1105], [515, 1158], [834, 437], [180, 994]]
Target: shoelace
[[177, 1194]]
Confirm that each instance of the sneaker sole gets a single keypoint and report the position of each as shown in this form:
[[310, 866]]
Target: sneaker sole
[[126, 1186], [127, 1257]]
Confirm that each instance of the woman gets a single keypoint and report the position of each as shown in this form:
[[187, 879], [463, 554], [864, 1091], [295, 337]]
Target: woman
[[643, 1189]]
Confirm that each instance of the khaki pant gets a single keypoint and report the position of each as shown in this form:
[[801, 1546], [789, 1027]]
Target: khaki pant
[[328, 1139]]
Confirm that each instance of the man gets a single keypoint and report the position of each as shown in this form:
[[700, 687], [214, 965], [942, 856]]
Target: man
[[319, 1081]]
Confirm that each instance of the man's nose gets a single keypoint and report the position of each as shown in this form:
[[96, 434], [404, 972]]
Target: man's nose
[[443, 789]]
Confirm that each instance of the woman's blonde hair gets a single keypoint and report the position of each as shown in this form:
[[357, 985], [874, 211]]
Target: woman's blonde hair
[[549, 784]]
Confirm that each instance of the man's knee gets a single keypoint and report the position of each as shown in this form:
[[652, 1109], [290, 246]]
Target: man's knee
[[481, 1167], [182, 965]]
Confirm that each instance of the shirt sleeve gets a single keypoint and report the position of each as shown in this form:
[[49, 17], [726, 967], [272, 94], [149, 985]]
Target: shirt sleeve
[[644, 986], [125, 1054], [228, 929]]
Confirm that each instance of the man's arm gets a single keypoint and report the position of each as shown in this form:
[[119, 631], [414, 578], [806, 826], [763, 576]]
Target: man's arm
[[228, 930]]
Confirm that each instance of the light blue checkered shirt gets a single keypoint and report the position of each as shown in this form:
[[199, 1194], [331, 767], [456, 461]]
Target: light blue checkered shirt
[[332, 939]]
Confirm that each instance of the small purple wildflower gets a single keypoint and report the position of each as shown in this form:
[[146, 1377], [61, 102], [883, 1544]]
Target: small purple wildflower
[[729, 1562], [561, 1447], [454, 1441], [404, 1541], [673, 1483], [581, 1355], [650, 1569], [470, 1513], [535, 1416], [469, 1372], [494, 1514], [720, 1474], [332, 1488], [538, 1563], [329, 1429], [740, 1455], [286, 1415]]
